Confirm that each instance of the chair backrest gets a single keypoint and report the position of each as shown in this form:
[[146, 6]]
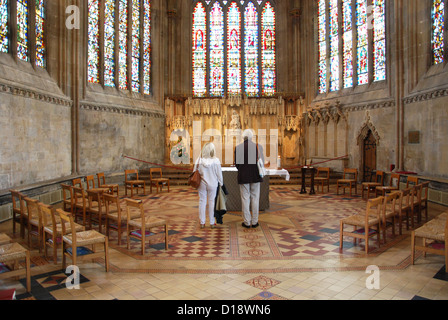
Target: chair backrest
[[48, 216], [79, 195], [17, 197], [323, 172], [77, 182], [155, 171], [94, 196], [405, 198], [67, 218], [112, 200], [90, 180], [32, 206], [379, 177], [390, 204], [411, 180], [416, 195], [136, 205], [394, 180], [67, 192], [425, 190], [350, 173], [101, 178], [130, 172], [374, 207]]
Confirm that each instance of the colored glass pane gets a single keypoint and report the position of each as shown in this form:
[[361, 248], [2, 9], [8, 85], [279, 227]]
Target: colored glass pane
[[234, 49], [109, 43], [322, 24], [4, 41], [135, 61], [334, 45], [147, 47], [93, 60], [348, 43], [22, 29], [379, 40], [40, 44], [362, 42], [199, 37], [216, 51], [438, 31], [251, 44], [268, 50], [123, 45]]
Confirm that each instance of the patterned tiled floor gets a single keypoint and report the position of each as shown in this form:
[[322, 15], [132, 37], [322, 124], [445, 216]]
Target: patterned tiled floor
[[293, 255]]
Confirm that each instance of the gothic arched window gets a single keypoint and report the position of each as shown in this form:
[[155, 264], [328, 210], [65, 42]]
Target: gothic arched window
[[25, 19], [233, 48], [119, 44], [438, 31], [357, 27]]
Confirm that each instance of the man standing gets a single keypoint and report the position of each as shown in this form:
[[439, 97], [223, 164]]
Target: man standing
[[246, 156]]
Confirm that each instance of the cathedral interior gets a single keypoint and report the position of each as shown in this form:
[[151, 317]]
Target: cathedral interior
[[111, 85]]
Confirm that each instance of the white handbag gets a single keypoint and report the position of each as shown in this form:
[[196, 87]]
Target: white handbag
[[261, 169]]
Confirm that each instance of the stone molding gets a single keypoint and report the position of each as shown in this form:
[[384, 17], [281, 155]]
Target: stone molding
[[425, 96], [34, 94], [120, 109]]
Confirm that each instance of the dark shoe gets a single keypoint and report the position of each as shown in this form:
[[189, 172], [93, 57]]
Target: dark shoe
[[245, 226], [255, 225]]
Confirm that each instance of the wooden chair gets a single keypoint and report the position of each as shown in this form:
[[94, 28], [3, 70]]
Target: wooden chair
[[424, 199], [114, 218], [95, 208], [34, 221], [322, 178], [113, 188], [415, 203], [394, 185], [436, 231], [137, 227], [349, 180], [366, 225], [80, 204], [390, 213], [158, 181], [19, 213], [371, 186], [90, 182], [13, 252], [404, 207], [71, 241], [132, 184], [67, 197], [52, 229]]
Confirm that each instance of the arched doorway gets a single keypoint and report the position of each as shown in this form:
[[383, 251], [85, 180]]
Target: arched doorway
[[369, 156]]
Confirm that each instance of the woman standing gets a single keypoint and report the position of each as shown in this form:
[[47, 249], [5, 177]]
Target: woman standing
[[210, 170]]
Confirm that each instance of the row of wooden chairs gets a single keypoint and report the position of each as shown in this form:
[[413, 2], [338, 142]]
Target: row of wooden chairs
[[156, 179], [385, 212]]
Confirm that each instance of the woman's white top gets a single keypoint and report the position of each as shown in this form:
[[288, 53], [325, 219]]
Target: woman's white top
[[210, 171]]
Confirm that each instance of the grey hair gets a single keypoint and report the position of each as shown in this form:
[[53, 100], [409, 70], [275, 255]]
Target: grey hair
[[208, 151], [248, 134]]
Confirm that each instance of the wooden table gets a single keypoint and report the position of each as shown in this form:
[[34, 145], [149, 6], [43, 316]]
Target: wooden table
[[312, 172]]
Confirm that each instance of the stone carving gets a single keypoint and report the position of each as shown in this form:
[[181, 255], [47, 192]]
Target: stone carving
[[235, 124]]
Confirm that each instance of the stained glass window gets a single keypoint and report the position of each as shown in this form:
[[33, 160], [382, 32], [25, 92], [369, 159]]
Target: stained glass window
[[147, 47], [216, 51], [322, 21], [379, 40], [334, 45], [199, 51], [348, 43], [251, 50], [363, 56], [109, 43], [234, 49], [123, 44], [4, 31], [22, 29], [438, 31], [135, 65], [268, 50], [39, 27], [93, 42]]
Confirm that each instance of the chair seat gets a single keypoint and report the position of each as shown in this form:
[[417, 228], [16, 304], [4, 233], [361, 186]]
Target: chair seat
[[434, 230], [346, 181], [360, 220], [160, 179], [149, 222], [133, 182], [371, 184], [85, 238], [12, 251], [4, 239], [34, 222], [50, 230], [443, 216], [321, 179]]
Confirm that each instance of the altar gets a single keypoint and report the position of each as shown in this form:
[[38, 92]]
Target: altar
[[230, 177]]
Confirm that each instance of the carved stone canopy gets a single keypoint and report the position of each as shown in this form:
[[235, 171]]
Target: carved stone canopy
[[364, 131]]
